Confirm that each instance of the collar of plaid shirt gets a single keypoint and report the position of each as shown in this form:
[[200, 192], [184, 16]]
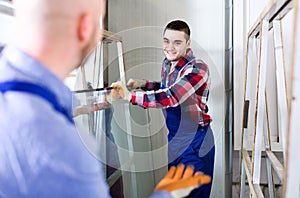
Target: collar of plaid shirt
[[188, 58]]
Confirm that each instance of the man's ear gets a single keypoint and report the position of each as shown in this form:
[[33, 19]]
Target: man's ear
[[188, 43], [85, 27]]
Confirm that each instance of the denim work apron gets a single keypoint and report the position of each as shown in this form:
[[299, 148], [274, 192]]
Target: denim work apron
[[46, 94], [190, 144]]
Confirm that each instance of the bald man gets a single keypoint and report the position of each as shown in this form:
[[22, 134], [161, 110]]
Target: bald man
[[41, 153]]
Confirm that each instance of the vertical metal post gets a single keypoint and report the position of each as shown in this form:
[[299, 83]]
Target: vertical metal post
[[229, 97]]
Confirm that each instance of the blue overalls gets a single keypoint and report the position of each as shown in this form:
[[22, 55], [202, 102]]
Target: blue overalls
[[189, 144], [40, 91]]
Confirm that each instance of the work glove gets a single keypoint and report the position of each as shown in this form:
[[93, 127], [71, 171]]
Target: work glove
[[120, 91], [180, 183], [134, 83]]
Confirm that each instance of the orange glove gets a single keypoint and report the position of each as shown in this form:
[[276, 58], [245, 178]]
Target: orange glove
[[180, 183], [135, 83], [120, 91]]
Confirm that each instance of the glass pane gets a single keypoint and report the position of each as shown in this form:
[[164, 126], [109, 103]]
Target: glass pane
[[132, 140]]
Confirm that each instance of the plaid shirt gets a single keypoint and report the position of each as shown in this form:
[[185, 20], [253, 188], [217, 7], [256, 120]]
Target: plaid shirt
[[187, 85]]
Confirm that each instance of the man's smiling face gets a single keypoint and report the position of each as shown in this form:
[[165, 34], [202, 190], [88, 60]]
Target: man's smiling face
[[175, 45]]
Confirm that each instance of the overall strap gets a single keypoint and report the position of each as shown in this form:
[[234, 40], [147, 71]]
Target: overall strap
[[46, 94]]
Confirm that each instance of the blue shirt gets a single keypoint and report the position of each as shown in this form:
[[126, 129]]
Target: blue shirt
[[41, 152]]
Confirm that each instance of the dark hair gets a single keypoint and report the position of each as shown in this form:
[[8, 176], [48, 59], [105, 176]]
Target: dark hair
[[179, 26]]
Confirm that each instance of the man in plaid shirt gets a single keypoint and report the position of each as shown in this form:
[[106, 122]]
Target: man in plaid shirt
[[182, 94]]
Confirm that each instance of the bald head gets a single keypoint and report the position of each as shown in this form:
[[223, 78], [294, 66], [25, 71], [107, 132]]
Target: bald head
[[59, 33], [41, 14]]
